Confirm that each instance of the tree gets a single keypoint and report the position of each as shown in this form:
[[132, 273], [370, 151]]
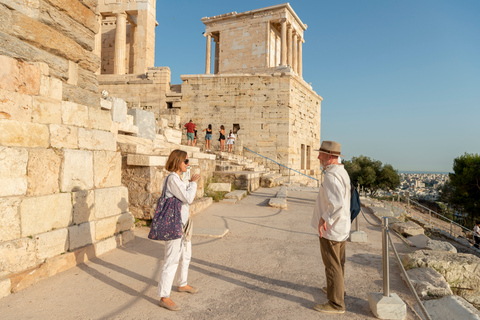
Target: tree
[[465, 184], [371, 175]]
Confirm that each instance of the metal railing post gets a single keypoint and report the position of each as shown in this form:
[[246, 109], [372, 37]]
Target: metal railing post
[[357, 224], [386, 264]]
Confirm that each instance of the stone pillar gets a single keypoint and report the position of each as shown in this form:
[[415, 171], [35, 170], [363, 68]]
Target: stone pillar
[[289, 46], [283, 53], [300, 66], [120, 43], [217, 55], [209, 54], [294, 58]]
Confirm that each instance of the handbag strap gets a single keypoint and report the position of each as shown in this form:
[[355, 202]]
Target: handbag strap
[[165, 187]]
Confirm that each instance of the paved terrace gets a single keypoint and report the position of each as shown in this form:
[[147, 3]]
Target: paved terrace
[[268, 266]]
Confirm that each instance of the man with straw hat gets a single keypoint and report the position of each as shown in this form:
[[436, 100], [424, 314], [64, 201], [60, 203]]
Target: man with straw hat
[[331, 218]]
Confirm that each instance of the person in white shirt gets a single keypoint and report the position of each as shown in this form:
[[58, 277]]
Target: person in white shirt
[[476, 234], [230, 141], [331, 219], [178, 252]]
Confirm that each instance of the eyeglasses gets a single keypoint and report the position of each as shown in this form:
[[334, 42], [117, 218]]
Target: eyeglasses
[[186, 161]]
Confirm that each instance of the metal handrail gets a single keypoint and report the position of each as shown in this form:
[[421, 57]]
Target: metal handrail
[[443, 217], [267, 158]]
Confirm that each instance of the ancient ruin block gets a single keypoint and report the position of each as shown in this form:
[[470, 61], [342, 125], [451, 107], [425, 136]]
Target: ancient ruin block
[[110, 202], [124, 222], [83, 206], [17, 255], [15, 106], [43, 172], [107, 169], [51, 87], [51, 243], [105, 228], [81, 235], [46, 110], [9, 218], [74, 114], [19, 76], [106, 245], [119, 109], [63, 136], [45, 213], [96, 140], [145, 121], [13, 171], [77, 170], [99, 119], [23, 134]]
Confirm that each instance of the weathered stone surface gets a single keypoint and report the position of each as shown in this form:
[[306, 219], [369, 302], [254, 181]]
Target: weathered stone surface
[[110, 202], [77, 170], [87, 80], [220, 187], [278, 203], [63, 136], [105, 104], [5, 17], [126, 236], [72, 73], [96, 140], [81, 235], [387, 307], [9, 218], [408, 228], [51, 87], [145, 121], [105, 228], [83, 206], [420, 240], [236, 194], [19, 76], [440, 245], [27, 7], [448, 308], [428, 283], [23, 134], [78, 12], [80, 95], [13, 171], [45, 213], [16, 48], [15, 106], [105, 246], [46, 110], [43, 172], [17, 255], [461, 270], [107, 169], [124, 222], [146, 160], [5, 287], [51, 243], [74, 114], [99, 119], [119, 109]]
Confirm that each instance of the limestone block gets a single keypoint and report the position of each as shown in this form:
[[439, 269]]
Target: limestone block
[[105, 246], [173, 136], [236, 194], [144, 160], [81, 96], [77, 170], [5, 287], [51, 87], [19, 76], [63, 136], [78, 12], [72, 73], [83, 206], [145, 121], [440, 245], [46, 110], [43, 172], [220, 187], [27, 7], [428, 283], [9, 218], [110, 202], [81, 235], [51, 243], [100, 119], [106, 104], [13, 171], [107, 169], [96, 140], [278, 203], [23, 134], [124, 222], [449, 307], [127, 128], [408, 228], [74, 114], [15, 106], [119, 109], [17, 255], [45, 213], [387, 307]]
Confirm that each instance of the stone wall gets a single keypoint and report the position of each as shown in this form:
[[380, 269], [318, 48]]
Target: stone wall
[[61, 197]]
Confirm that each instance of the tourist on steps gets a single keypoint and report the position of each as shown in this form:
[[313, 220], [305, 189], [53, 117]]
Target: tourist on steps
[[190, 132], [208, 138], [222, 138], [476, 234], [230, 141]]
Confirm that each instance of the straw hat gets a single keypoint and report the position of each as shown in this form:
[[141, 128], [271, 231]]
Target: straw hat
[[331, 147]]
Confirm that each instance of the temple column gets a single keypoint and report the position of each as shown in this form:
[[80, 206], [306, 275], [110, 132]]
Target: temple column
[[120, 43], [294, 58], [217, 55], [300, 66], [283, 51], [208, 60], [289, 45]]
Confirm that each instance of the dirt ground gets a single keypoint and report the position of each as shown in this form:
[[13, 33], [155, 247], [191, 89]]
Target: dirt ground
[[268, 266]]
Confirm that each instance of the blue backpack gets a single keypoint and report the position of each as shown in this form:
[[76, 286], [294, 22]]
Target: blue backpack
[[355, 204]]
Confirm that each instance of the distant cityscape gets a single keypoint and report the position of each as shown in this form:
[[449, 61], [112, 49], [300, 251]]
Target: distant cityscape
[[425, 186]]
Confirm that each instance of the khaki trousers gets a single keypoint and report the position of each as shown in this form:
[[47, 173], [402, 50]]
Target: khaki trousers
[[333, 256]]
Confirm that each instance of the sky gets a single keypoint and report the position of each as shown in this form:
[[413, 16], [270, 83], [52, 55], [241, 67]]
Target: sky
[[400, 80]]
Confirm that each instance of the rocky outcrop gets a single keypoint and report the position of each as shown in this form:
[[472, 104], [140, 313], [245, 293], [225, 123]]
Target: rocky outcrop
[[408, 228], [428, 283]]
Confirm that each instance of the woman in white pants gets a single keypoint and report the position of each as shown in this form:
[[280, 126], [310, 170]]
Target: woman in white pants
[[178, 252]]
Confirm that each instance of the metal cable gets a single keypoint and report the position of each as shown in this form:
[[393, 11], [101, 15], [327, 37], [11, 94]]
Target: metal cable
[[373, 224], [412, 289]]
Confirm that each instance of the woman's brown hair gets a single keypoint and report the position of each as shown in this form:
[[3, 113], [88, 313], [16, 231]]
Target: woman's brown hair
[[175, 159]]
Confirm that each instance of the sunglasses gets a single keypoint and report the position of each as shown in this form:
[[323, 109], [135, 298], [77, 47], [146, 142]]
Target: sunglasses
[[186, 161]]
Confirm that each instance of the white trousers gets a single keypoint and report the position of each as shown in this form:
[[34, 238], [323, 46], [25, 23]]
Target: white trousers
[[178, 254]]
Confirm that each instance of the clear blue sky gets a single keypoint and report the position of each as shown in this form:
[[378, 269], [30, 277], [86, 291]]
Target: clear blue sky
[[400, 79]]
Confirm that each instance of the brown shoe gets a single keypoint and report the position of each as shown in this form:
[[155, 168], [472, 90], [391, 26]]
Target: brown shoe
[[166, 306], [324, 289], [189, 290], [327, 308]]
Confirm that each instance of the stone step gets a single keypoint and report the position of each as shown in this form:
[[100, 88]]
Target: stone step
[[230, 168], [243, 180], [236, 194], [229, 201]]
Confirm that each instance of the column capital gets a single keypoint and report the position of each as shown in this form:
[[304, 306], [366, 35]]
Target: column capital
[[206, 34]]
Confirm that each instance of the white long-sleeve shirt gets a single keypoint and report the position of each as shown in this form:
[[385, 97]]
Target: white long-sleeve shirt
[[333, 204], [476, 231], [184, 192]]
